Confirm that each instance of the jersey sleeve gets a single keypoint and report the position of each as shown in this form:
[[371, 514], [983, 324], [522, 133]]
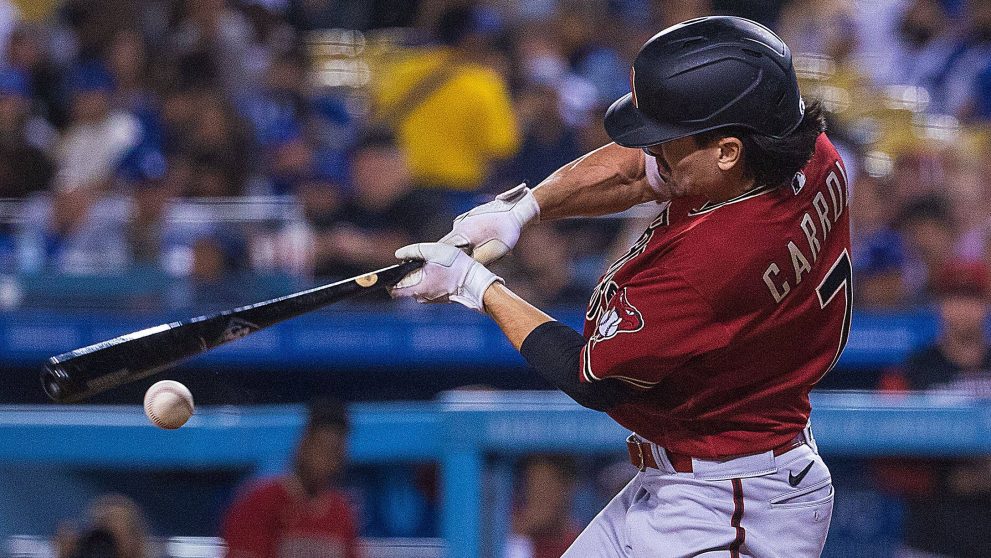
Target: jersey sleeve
[[648, 329]]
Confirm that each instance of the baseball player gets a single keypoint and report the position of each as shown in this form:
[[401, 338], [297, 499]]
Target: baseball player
[[706, 337]]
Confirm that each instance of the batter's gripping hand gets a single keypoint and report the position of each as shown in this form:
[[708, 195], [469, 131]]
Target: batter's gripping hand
[[491, 230], [448, 275]]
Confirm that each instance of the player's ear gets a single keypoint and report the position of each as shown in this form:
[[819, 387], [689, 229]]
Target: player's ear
[[730, 153]]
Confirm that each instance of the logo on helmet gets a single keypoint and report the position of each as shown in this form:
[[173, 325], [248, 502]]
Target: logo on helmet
[[620, 316], [633, 85]]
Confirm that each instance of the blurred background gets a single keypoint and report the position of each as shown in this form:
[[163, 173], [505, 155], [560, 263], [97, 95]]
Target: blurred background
[[161, 159]]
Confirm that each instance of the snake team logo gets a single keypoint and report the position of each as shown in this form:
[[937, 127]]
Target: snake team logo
[[236, 329], [620, 316]]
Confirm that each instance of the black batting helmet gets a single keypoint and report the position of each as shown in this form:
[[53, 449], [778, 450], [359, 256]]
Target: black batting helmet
[[704, 74]]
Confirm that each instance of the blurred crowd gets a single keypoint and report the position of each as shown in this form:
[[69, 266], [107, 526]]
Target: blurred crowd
[[133, 134]]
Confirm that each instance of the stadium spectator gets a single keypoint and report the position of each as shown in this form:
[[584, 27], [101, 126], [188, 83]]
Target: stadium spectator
[[928, 228], [383, 212], [96, 543], [280, 104], [925, 37], [122, 517], [541, 266], [879, 268], [98, 137], [824, 28], [77, 232], [28, 52], [144, 179], [218, 147], [542, 526], [290, 161], [300, 514], [548, 142], [452, 115], [947, 500], [211, 263], [115, 527], [951, 83], [960, 360], [215, 42], [24, 169]]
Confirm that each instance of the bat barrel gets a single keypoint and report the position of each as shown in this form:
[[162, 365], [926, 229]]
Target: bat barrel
[[84, 372]]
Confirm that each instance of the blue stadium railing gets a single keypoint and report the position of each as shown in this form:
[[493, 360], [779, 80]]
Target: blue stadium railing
[[459, 431], [360, 336]]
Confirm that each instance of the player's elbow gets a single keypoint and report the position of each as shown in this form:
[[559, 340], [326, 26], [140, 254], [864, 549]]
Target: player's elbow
[[603, 396]]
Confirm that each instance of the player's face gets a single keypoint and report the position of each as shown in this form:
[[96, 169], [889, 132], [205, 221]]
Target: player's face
[[690, 170]]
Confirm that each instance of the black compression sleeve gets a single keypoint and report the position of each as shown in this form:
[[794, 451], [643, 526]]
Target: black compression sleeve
[[553, 350]]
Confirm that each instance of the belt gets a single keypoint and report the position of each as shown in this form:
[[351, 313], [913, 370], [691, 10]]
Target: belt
[[642, 454]]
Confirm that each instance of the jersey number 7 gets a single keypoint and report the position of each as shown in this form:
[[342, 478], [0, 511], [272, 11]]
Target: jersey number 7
[[839, 278]]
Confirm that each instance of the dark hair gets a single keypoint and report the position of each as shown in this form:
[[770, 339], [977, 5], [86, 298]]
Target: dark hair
[[932, 208], [774, 161], [325, 412], [96, 543], [454, 25], [375, 137]]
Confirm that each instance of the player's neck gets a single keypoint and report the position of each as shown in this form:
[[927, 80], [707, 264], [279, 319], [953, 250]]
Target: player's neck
[[733, 189]]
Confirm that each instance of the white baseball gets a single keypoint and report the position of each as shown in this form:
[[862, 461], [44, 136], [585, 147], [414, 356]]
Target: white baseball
[[168, 404]]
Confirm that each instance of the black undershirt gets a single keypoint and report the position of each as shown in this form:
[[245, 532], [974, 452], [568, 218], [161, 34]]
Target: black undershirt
[[553, 350]]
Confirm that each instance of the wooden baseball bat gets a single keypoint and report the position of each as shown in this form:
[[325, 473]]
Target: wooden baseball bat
[[87, 371]]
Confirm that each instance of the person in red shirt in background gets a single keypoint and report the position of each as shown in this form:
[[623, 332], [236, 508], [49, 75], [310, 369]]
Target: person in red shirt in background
[[300, 514], [947, 499]]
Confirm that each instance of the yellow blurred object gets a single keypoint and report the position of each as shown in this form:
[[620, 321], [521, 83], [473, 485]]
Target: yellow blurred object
[[36, 10], [452, 134], [885, 121]]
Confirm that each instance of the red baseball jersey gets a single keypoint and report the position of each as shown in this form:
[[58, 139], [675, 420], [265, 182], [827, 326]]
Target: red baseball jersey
[[276, 519], [725, 315]]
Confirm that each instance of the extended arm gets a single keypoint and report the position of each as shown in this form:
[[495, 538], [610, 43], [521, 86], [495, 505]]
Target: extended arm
[[608, 180]]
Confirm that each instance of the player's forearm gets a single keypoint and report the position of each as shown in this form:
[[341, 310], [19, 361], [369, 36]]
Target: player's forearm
[[516, 317], [551, 348], [608, 180]]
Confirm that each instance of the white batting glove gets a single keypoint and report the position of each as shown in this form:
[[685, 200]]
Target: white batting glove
[[491, 230], [448, 275]]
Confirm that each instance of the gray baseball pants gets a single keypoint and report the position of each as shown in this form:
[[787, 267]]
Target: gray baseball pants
[[745, 507]]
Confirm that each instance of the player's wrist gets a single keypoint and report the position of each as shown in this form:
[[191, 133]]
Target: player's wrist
[[472, 291], [525, 208]]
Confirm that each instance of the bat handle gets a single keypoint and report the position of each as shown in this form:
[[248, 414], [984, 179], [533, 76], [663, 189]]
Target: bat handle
[[405, 268]]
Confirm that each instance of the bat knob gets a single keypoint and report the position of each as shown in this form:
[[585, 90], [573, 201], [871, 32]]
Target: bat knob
[[53, 379]]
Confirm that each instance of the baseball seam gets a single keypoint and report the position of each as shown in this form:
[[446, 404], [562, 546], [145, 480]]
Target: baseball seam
[[154, 416]]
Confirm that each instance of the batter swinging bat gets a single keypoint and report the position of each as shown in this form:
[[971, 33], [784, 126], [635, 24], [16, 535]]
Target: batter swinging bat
[[84, 372]]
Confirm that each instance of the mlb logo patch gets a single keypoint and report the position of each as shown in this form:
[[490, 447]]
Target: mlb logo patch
[[798, 182]]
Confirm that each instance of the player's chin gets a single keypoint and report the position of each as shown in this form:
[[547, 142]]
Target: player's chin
[[675, 189]]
